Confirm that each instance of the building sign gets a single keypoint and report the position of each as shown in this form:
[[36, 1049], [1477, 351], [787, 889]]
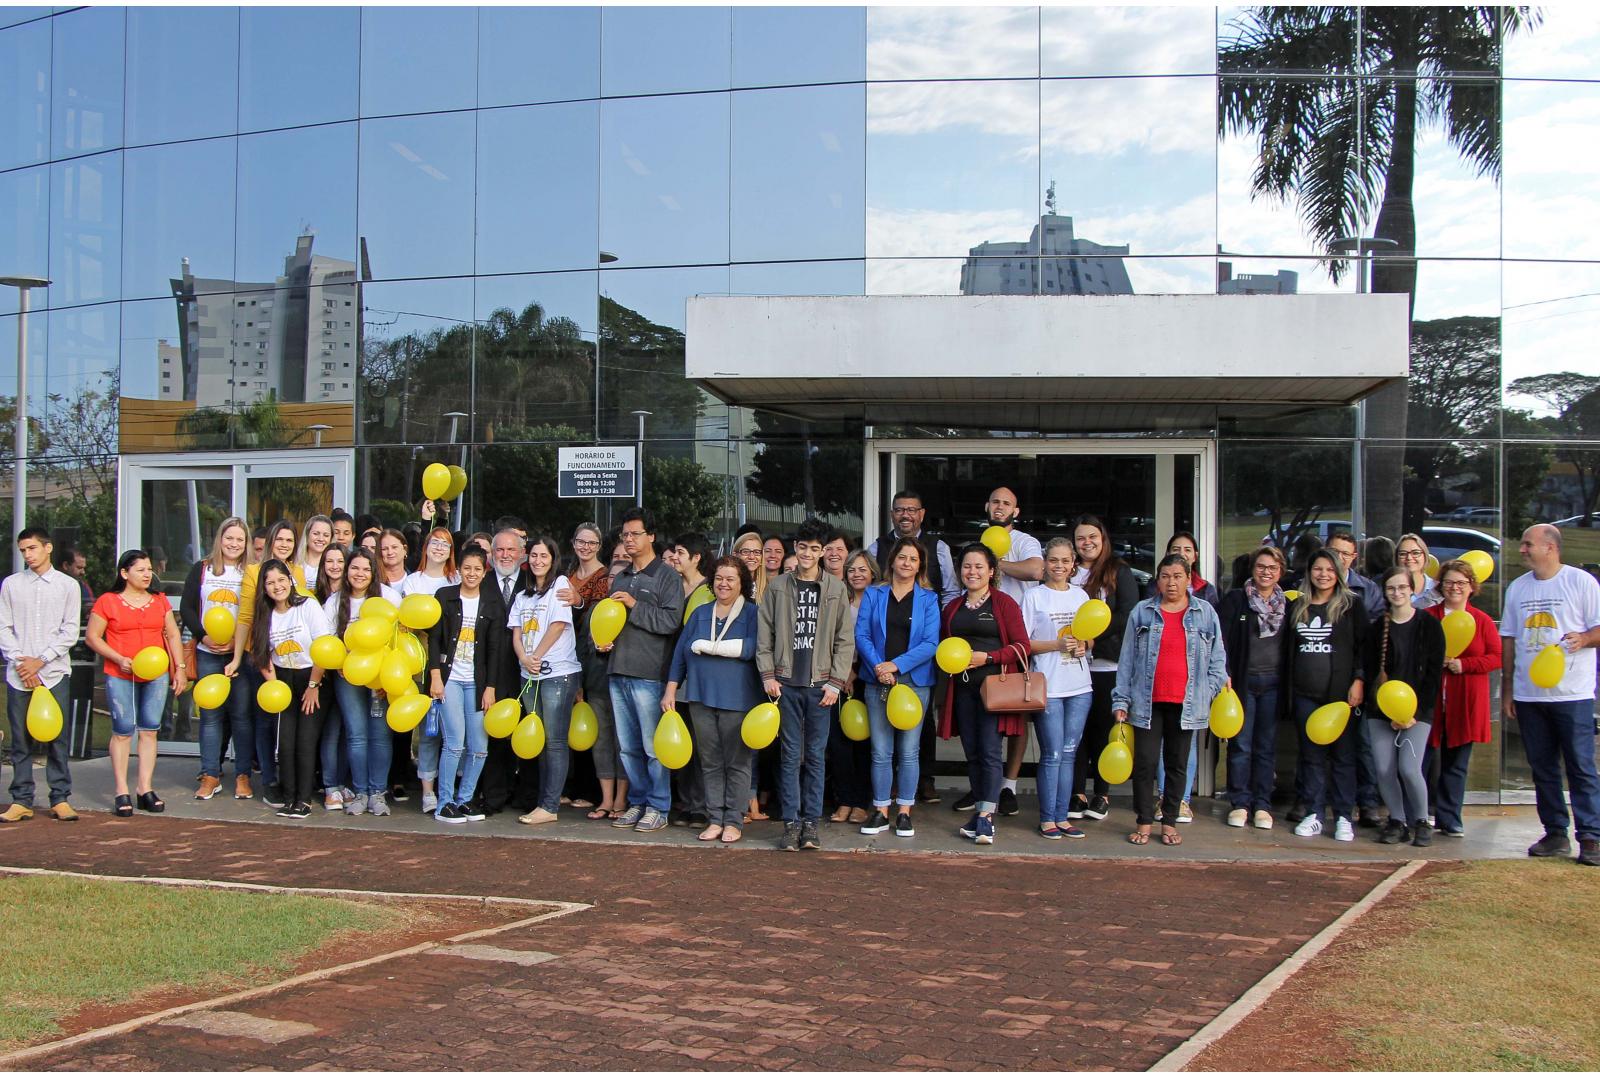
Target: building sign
[[595, 472]]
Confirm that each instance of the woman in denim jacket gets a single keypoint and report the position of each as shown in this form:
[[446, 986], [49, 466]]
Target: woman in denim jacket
[[1165, 684]]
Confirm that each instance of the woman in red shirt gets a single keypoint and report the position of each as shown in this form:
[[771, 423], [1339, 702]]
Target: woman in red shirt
[[1461, 717], [129, 617]]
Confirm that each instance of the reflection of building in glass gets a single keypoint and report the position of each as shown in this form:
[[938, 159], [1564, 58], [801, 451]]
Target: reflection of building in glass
[[1282, 283], [1053, 262], [293, 339]]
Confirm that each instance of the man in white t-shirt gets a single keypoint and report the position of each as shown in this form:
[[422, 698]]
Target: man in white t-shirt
[[1555, 605]]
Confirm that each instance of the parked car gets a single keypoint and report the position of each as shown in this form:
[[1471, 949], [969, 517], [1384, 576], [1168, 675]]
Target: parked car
[[1323, 529], [1576, 522], [1447, 542], [1474, 515]]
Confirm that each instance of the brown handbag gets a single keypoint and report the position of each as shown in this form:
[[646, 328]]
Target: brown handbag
[[1014, 692], [191, 659]]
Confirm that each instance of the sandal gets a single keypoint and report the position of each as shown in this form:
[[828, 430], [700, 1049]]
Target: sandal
[[124, 805], [151, 803], [713, 832], [730, 835], [599, 813], [1140, 836], [840, 815], [1170, 837], [581, 804]]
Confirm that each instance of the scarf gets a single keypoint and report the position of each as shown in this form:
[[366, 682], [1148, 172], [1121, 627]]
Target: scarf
[[1269, 609]]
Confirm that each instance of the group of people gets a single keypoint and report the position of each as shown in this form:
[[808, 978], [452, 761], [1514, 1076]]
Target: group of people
[[811, 624]]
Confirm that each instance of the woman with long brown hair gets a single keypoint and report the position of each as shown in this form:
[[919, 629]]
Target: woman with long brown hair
[[1104, 577]]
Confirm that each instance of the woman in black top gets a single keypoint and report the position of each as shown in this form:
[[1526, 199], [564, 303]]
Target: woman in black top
[[1407, 646], [1253, 618], [1104, 577]]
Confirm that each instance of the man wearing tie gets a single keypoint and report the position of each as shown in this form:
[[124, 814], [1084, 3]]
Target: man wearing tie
[[508, 574]]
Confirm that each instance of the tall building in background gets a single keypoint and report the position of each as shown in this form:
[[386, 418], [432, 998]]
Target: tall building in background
[[1282, 283], [1052, 262]]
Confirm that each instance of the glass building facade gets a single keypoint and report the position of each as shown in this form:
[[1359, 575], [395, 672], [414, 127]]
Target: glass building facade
[[412, 234]]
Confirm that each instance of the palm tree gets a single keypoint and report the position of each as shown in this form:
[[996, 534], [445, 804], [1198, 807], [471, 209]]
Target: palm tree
[[1342, 142]]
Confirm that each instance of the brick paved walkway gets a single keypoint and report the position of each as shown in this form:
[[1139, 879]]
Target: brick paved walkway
[[733, 959]]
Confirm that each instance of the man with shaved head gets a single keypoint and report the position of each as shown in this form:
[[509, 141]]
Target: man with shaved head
[[1555, 605]]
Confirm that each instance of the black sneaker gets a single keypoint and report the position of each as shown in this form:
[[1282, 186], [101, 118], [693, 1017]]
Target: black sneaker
[[1551, 844], [876, 824], [473, 810], [699, 821], [791, 837], [1369, 818], [1589, 852], [450, 814], [1393, 832], [300, 810], [1297, 812], [1421, 833], [1008, 802], [964, 804], [1076, 808], [809, 840], [285, 811], [272, 795], [903, 827], [678, 817], [1099, 808], [398, 793]]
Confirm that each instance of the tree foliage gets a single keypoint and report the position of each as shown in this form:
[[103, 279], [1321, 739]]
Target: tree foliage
[[1574, 398]]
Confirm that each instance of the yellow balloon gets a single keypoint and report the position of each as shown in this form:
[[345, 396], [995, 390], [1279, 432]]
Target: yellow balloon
[[672, 743], [1291, 595], [1459, 630], [274, 696], [458, 481], [1431, 567], [1116, 764], [408, 646], [1327, 722], [606, 622], [1122, 732], [1482, 564], [760, 726], [528, 739], [435, 480], [151, 662], [1091, 620], [363, 668], [1548, 667], [407, 712], [376, 607], [211, 691], [953, 655], [44, 715], [395, 675], [328, 653], [367, 635], [500, 719], [853, 719], [419, 611], [1227, 714], [904, 707], [1398, 701], [997, 540], [584, 728], [220, 624]]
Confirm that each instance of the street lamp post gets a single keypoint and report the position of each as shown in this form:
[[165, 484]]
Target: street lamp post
[[19, 495], [638, 458]]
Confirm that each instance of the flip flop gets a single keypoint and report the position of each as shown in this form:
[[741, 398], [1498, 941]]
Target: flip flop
[[1170, 837], [1139, 838], [598, 814]]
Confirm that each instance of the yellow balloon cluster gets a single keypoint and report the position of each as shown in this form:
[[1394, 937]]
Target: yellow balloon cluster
[[151, 662], [607, 621], [1459, 630], [903, 707], [44, 715], [853, 721], [1227, 714], [672, 744], [584, 727], [953, 655], [1326, 723], [328, 653], [363, 668], [394, 675], [500, 719], [376, 607], [760, 726], [419, 611], [367, 635]]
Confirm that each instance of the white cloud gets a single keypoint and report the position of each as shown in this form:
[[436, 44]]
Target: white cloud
[[996, 108], [913, 277], [1119, 116], [952, 42], [1082, 40], [902, 234], [1186, 227]]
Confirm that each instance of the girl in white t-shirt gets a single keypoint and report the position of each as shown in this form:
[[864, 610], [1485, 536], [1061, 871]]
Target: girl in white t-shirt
[[1063, 660], [541, 635], [463, 649], [437, 570], [366, 742], [215, 582], [314, 540]]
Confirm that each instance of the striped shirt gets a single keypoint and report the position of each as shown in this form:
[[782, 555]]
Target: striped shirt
[[39, 617]]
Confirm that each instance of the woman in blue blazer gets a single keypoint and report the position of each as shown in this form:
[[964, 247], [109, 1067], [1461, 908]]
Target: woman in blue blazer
[[897, 631]]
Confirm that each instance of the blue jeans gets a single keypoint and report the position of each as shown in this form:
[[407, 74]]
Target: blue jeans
[[803, 740], [136, 704], [636, 707], [1557, 733], [428, 751], [265, 737], [1060, 728], [214, 723], [980, 741], [334, 763], [1254, 751], [887, 741], [552, 698], [1332, 766], [367, 736], [461, 727]]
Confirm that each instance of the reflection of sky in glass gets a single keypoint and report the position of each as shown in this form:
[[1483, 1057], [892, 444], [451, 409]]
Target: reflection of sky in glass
[[781, 46], [798, 173], [82, 356], [1565, 45], [177, 204], [24, 231], [1193, 275], [417, 194], [664, 179], [1128, 40], [1552, 170], [538, 187], [24, 95], [38, 334], [418, 59], [145, 324], [1551, 322], [662, 295], [537, 54], [657, 50], [278, 47], [183, 76], [86, 229], [952, 42], [292, 182], [11, 16], [86, 81], [841, 278]]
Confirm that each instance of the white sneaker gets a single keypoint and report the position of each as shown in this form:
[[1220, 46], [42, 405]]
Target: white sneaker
[[1237, 818], [1343, 831], [1263, 820], [1310, 825], [430, 803]]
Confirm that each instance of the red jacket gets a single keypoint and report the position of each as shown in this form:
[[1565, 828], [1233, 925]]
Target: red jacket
[[1462, 713], [1008, 619]]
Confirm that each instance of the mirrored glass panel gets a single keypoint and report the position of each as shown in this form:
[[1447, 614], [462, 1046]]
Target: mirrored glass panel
[[1565, 45], [1550, 191], [799, 173], [278, 46], [178, 216], [416, 201], [1131, 163], [1456, 202], [952, 169], [1551, 320], [1128, 40], [77, 413], [565, 43], [13, 16], [519, 479], [786, 46], [662, 50], [183, 73], [86, 81], [952, 42], [538, 202], [1287, 41], [1146, 276], [1239, 275], [779, 491], [1454, 388], [24, 95], [1429, 40], [416, 366], [534, 365], [664, 180], [1272, 491], [418, 59], [38, 338], [1452, 499], [297, 205], [952, 277], [24, 232], [86, 229], [799, 279], [177, 385], [642, 315]]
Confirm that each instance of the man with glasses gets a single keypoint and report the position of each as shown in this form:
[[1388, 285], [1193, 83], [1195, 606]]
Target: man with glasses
[[653, 594], [506, 578]]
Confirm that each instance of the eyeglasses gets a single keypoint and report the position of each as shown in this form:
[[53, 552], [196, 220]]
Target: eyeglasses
[[633, 535], [438, 543], [1454, 583], [1409, 554], [748, 551], [576, 542], [901, 511]]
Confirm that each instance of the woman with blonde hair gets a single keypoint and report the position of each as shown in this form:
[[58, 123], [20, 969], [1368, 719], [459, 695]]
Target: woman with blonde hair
[[214, 582], [281, 544], [1411, 555], [314, 540], [747, 548]]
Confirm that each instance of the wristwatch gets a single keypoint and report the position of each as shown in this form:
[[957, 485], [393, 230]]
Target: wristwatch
[[313, 684]]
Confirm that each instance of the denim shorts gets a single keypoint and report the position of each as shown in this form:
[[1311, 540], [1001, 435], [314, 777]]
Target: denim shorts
[[136, 704]]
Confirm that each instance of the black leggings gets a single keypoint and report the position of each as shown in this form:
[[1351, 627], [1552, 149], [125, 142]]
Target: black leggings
[[1096, 732], [1165, 738], [299, 737]]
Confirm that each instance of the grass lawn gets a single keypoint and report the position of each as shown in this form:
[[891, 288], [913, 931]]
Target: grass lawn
[[73, 942], [1500, 970]]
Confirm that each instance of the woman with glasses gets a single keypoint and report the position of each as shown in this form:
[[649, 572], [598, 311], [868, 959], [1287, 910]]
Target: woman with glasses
[[1405, 646], [436, 570], [747, 549], [1461, 716], [1411, 555]]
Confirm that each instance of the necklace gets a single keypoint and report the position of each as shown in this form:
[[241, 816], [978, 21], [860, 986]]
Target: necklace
[[982, 600]]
